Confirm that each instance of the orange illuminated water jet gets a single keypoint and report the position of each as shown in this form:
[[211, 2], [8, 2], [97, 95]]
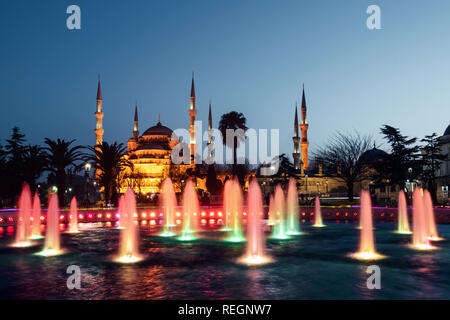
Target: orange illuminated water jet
[[367, 243]]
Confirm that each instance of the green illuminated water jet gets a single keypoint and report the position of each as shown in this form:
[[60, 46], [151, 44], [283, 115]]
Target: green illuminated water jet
[[293, 209], [280, 228], [190, 209], [233, 208]]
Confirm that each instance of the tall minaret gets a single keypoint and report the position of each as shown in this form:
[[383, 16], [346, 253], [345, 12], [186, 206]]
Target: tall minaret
[[192, 114], [296, 139], [304, 128], [210, 132], [99, 116], [136, 126]]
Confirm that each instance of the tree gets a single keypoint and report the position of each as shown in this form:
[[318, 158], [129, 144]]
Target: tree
[[14, 167], [235, 121], [34, 163], [431, 160], [341, 155], [286, 170], [60, 156], [394, 166], [212, 183], [109, 162]]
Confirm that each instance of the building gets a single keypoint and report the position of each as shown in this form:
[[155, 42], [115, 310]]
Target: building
[[150, 153], [443, 174]]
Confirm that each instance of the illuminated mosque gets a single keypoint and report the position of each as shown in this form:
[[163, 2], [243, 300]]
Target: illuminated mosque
[[150, 153]]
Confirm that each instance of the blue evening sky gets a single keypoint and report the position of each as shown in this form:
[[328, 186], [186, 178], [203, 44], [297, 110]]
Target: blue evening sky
[[251, 56]]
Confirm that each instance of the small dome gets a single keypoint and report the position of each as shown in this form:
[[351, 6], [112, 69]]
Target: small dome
[[447, 131], [371, 156], [158, 130]]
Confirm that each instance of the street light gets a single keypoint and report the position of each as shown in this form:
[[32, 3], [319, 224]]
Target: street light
[[87, 168]]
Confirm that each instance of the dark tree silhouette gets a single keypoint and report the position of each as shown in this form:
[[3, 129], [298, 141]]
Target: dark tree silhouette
[[431, 159], [109, 162], [60, 156], [393, 169], [235, 121], [341, 155]]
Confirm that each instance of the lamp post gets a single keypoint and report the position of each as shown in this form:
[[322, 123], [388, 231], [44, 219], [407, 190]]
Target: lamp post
[[87, 170]]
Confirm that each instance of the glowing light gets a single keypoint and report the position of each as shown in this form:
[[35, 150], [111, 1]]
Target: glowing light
[[128, 259], [186, 237], [49, 253], [255, 260], [220, 214], [423, 247], [108, 215], [99, 216], [203, 214], [22, 244], [167, 234], [152, 214], [211, 214], [367, 256]]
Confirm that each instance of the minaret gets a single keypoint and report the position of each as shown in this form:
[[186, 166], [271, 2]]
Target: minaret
[[99, 116], [192, 114], [296, 139], [304, 129], [210, 132], [136, 126]]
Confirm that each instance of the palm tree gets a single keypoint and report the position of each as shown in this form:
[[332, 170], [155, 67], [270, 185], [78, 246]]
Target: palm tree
[[34, 163], [109, 161], [233, 120], [59, 156]]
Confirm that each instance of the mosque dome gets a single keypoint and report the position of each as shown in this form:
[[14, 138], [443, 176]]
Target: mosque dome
[[158, 130], [371, 156]]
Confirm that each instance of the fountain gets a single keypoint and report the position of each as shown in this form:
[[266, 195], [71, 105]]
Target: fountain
[[280, 227], [73, 216], [420, 229], [318, 214], [403, 225], [429, 217], [367, 243], [256, 244], [52, 245], [169, 203], [23, 220], [36, 228], [233, 200], [120, 208], [227, 204], [190, 208], [292, 208], [270, 213], [129, 242]]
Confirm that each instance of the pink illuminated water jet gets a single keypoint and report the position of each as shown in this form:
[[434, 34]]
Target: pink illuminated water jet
[[367, 242], [129, 237], [23, 220], [255, 252], [52, 245], [318, 223], [120, 209], [36, 227], [73, 216], [403, 225], [429, 217]]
